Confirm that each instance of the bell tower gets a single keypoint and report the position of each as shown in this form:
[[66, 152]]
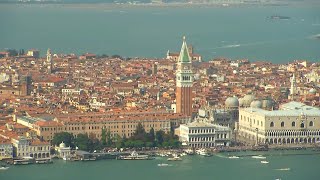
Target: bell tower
[[184, 81], [49, 61]]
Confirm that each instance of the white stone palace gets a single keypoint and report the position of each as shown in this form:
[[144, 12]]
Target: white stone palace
[[293, 123], [204, 134]]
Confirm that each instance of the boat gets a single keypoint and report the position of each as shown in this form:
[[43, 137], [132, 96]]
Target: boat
[[264, 162], [4, 168], [283, 169], [23, 161], [175, 158], [233, 157], [135, 156], [183, 154], [203, 152], [280, 17], [189, 151], [259, 157], [44, 161], [163, 165]]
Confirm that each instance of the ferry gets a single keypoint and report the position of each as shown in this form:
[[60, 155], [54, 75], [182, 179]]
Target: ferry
[[23, 161], [135, 156], [43, 161]]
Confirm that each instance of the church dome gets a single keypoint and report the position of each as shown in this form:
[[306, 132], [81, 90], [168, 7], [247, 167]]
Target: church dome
[[312, 91], [232, 102], [267, 103], [256, 104], [247, 99], [62, 145], [241, 101]]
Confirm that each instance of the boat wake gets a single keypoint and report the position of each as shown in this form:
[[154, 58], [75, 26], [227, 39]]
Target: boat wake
[[283, 169], [220, 156], [231, 46], [164, 165], [317, 36]]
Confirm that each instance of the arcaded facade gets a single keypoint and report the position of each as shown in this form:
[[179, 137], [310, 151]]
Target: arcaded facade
[[293, 123]]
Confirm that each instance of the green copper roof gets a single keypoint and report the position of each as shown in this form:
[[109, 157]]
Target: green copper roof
[[184, 53]]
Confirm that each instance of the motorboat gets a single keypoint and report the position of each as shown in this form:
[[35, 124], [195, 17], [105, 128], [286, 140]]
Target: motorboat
[[283, 169], [203, 152], [174, 159], [259, 157], [163, 165], [233, 157], [264, 162]]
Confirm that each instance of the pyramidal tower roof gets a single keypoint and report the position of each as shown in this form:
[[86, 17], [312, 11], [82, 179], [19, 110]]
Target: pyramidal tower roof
[[184, 53]]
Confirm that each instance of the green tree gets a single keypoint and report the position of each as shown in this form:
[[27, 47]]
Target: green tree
[[119, 143], [140, 133], [160, 137], [82, 142], [151, 136], [104, 137], [109, 139], [65, 137]]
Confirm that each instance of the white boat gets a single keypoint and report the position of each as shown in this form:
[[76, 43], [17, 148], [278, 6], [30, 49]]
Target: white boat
[[163, 164], [189, 151], [233, 157], [174, 158], [202, 152], [264, 162], [283, 169], [183, 154], [4, 168], [135, 156], [259, 157]]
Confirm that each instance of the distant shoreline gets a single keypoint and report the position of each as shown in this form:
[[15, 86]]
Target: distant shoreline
[[164, 5]]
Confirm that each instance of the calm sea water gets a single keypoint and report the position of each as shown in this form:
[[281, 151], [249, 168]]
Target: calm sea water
[[234, 32], [218, 167]]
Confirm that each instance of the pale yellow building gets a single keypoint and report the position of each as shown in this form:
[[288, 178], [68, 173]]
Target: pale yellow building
[[119, 124], [293, 123], [24, 147]]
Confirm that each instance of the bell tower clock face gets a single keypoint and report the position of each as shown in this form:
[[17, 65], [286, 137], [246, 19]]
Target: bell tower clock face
[[185, 67]]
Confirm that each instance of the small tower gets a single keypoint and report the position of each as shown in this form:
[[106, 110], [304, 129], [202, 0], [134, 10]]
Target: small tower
[[49, 61], [292, 88], [184, 81]]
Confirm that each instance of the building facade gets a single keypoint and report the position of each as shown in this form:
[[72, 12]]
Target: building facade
[[6, 149], [204, 135], [293, 123], [24, 147], [119, 124], [184, 81]]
